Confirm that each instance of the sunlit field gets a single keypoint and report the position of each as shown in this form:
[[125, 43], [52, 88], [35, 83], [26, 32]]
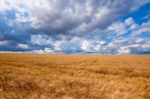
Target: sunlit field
[[30, 76]]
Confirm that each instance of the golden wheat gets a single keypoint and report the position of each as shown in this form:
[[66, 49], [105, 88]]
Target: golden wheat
[[27, 76]]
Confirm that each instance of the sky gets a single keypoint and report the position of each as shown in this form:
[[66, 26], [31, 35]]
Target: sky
[[75, 26]]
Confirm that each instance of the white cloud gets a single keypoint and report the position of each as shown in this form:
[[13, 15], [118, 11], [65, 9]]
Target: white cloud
[[41, 40], [144, 28], [87, 46], [131, 23], [124, 50], [58, 45], [3, 5], [130, 45], [4, 42], [44, 51], [65, 45], [76, 26], [8, 5], [71, 17], [23, 46], [93, 46], [118, 28]]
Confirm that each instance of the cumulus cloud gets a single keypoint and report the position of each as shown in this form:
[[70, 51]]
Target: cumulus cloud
[[119, 28], [72, 26], [40, 39], [4, 42], [93, 46], [124, 50], [75, 16], [131, 45], [144, 28], [44, 51], [23, 46]]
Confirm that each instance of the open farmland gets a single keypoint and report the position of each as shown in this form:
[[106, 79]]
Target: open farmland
[[30, 76]]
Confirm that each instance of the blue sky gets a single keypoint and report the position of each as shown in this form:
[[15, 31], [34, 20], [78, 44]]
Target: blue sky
[[75, 26]]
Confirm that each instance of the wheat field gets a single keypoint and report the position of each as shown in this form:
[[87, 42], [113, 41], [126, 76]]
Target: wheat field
[[31, 76]]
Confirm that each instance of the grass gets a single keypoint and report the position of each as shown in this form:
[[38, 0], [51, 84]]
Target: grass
[[27, 76]]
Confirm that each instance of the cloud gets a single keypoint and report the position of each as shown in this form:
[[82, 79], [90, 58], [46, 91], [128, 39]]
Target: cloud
[[144, 28], [131, 45], [131, 23], [135, 48], [93, 46], [59, 17], [44, 51], [40, 39], [23, 46], [124, 50], [119, 28], [2, 43], [78, 26]]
